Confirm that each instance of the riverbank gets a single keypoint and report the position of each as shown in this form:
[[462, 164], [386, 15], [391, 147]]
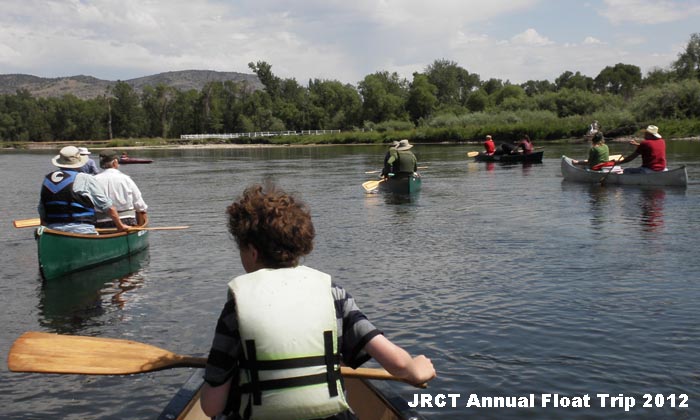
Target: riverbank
[[146, 144]]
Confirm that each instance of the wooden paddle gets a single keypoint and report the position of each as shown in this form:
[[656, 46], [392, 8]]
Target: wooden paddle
[[23, 223], [370, 186], [472, 154], [41, 352]]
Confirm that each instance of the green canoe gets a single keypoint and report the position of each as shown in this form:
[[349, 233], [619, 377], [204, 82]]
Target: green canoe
[[403, 185], [61, 253]]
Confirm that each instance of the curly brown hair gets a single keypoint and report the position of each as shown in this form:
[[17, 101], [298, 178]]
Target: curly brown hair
[[277, 224]]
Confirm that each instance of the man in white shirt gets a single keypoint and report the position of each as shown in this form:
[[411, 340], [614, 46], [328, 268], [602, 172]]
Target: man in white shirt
[[123, 191]]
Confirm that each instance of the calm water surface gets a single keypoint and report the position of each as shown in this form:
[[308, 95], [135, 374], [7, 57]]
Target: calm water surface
[[512, 281]]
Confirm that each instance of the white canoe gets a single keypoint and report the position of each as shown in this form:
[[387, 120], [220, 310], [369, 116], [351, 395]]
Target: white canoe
[[672, 178]]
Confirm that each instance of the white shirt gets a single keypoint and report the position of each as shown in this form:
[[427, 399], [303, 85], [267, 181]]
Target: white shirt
[[122, 190]]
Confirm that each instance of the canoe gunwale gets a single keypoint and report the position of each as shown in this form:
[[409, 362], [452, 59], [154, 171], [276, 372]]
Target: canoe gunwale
[[185, 403], [45, 230], [534, 157]]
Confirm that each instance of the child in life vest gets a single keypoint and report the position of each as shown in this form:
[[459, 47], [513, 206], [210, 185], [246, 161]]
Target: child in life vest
[[287, 327]]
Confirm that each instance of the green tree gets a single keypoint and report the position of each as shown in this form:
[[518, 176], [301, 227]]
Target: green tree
[[384, 97], [620, 79], [453, 83], [422, 98], [333, 105], [264, 72], [687, 66], [157, 103], [577, 102], [535, 87], [657, 77], [477, 101], [569, 80], [508, 91], [184, 114], [492, 85], [127, 114]]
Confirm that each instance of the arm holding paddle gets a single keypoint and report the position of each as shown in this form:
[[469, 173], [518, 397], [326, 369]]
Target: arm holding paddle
[[632, 156], [413, 370]]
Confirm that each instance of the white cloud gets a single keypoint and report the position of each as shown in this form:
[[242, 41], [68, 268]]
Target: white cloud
[[589, 40], [649, 11], [330, 39], [530, 37]]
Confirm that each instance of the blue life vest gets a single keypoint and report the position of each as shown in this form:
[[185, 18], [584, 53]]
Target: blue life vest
[[61, 203]]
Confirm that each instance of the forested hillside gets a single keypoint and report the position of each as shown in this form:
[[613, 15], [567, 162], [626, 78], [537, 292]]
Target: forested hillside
[[444, 102]]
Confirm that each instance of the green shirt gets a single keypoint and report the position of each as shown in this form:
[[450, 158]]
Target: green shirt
[[598, 154], [406, 161]]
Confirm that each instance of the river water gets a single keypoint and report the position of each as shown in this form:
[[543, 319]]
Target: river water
[[512, 281]]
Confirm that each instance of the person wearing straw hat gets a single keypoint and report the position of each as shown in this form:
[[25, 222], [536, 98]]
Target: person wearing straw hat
[[404, 162], [122, 190], [653, 152], [69, 199], [90, 167]]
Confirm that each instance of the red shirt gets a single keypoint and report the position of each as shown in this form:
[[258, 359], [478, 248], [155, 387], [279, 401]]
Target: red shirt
[[490, 147], [653, 154], [526, 145]]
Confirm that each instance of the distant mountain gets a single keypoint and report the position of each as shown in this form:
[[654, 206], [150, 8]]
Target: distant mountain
[[87, 87]]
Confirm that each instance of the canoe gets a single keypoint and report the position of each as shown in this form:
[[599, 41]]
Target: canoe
[[534, 157], [673, 178], [408, 185], [369, 401], [129, 160], [61, 253]]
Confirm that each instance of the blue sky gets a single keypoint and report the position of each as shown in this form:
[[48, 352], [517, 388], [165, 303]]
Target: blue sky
[[516, 40]]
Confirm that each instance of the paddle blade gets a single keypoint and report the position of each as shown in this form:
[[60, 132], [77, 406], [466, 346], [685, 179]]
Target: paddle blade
[[371, 185], [472, 154], [23, 223], [615, 157], [54, 353]]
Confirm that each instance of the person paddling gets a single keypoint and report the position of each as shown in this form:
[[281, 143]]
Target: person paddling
[[653, 152]]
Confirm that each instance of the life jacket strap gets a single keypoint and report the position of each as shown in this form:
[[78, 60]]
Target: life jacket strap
[[255, 387]]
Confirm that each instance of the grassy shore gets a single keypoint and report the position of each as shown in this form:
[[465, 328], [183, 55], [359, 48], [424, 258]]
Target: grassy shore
[[473, 134]]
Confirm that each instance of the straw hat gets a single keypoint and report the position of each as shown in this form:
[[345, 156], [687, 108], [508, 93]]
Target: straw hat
[[404, 145], [70, 158], [654, 131]]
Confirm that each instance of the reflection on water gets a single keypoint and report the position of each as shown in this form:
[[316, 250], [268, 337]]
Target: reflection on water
[[651, 202], [71, 302], [398, 198]]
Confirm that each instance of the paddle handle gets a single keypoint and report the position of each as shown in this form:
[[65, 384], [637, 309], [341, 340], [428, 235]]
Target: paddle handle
[[372, 373], [24, 223]]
